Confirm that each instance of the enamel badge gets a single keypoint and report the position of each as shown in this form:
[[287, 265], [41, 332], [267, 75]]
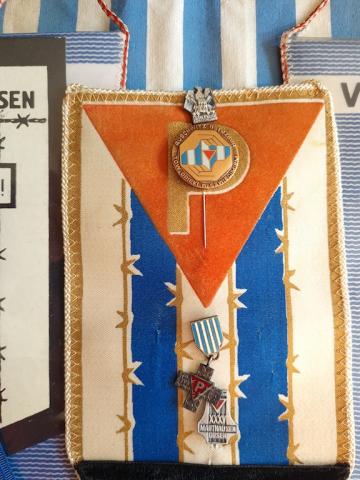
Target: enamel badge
[[198, 387], [205, 156]]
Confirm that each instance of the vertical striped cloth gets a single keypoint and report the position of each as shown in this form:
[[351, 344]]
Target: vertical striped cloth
[[176, 44]]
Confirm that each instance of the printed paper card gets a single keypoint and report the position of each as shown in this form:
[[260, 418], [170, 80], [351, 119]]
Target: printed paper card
[[32, 78]]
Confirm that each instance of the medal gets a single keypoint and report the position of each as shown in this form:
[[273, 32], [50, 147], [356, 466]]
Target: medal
[[204, 155], [216, 424]]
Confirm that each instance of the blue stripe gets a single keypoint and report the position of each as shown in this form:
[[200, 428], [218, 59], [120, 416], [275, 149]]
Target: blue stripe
[[262, 351], [217, 324], [198, 160], [202, 45], [345, 19], [196, 336], [154, 324], [134, 14], [202, 339], [153, 342], [271, 22], [262, 327], [209, 337], [56, 16], [212, 321]]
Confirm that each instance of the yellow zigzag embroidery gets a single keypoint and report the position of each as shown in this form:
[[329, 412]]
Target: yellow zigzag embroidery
[[288, 401], [129, 367]]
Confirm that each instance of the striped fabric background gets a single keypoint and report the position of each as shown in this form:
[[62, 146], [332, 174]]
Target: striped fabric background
[[176, 44], [315, 57], [46, 460]]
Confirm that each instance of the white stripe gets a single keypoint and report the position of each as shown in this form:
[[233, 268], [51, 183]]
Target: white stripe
[[91, 17], [320, 26], [21, 16], [313, 322], [164, 65], [207, 348], [201, 345], [191, 157], [220, 152], [238, 43], [100, 439]]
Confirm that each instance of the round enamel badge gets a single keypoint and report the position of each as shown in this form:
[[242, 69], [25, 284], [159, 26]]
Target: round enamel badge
[[205, 156]]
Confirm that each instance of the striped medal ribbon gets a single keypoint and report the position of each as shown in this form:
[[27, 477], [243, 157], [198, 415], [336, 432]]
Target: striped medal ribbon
[[208, 336]]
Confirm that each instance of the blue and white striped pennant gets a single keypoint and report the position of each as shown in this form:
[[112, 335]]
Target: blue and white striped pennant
[[207, 334]]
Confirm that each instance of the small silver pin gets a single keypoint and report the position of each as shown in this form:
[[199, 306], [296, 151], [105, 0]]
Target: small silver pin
[[201, 104]]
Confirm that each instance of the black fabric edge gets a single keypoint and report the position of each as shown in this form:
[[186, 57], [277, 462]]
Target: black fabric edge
[[109, 470]]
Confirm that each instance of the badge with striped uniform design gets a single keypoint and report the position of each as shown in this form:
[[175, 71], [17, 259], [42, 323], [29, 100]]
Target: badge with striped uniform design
[[207, 334]]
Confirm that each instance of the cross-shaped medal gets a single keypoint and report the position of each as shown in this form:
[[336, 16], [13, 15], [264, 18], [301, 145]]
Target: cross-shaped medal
[[199, 387]]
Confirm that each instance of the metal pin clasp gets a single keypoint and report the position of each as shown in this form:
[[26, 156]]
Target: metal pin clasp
[[201, 104]]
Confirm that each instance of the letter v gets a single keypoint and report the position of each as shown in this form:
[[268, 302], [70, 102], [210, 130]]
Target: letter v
[[350, 99]]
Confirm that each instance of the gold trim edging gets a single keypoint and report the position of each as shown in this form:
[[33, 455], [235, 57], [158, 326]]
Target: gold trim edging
[[339, 291], [73, 276], [76, 97]]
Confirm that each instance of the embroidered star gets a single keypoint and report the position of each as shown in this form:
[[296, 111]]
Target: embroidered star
[[1, 308], [1, 141], [1, 254]]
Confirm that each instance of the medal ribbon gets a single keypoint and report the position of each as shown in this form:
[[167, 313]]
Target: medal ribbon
[[207, 334]]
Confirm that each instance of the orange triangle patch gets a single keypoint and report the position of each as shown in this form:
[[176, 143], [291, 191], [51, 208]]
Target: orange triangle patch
[[273, 132]]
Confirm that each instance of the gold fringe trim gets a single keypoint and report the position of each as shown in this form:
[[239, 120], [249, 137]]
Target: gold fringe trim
[[73, 277], [338, 282], [305, 90]]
